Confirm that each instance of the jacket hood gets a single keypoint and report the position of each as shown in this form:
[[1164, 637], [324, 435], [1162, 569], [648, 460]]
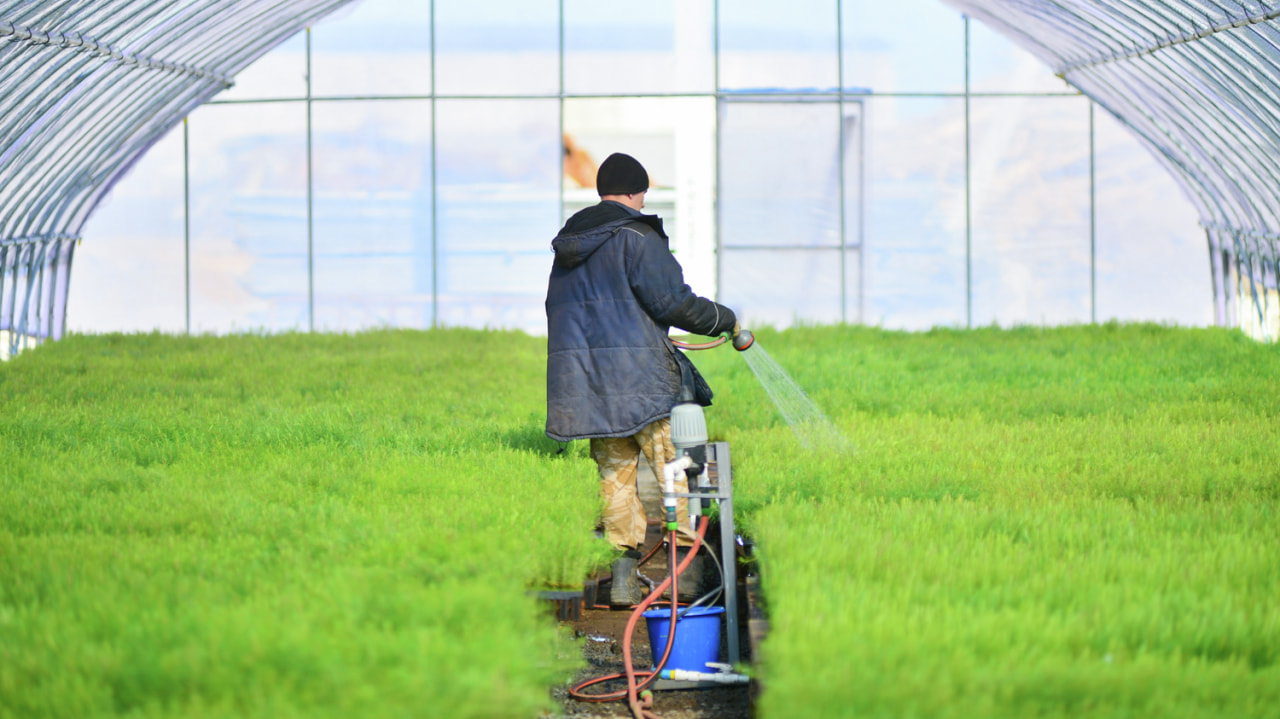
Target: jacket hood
[[591, 227]]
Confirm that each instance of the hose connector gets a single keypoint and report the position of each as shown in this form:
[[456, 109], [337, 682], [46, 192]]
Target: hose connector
[[670, 471], [744, 340]]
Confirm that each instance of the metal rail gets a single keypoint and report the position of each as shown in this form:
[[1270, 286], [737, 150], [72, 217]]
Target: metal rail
[[77, 41], [1169, 41], [1199, 84]]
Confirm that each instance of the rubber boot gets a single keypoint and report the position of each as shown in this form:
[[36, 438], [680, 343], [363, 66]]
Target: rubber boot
[[698, 578], [625, 589]]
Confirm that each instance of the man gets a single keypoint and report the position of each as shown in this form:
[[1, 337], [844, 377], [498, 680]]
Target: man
[[612, 372]]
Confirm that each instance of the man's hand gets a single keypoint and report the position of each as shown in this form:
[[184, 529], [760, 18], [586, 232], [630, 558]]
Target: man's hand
[[737, 329]]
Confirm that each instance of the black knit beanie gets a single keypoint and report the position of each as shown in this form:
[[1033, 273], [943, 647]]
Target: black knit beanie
[[621, 175]]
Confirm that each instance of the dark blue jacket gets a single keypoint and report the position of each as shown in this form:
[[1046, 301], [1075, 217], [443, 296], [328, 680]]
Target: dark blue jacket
[[615, 291]]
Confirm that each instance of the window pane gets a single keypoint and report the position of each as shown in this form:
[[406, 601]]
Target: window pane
[[378, 47], [903, 46], [499, 47], [996, 64], [855, 173], [780, 173], [282, 72], [499, 201], [1148, 239], [249, 217], [781, 287], [855, 298], [614, 48], [129, 271], [372, 222], [766, 44], [1030, 195], [915, 212]]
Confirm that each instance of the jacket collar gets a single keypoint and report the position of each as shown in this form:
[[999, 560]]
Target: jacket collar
[[607, 212]]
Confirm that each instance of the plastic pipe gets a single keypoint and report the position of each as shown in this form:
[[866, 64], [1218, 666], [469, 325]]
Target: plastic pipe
[[684, 675], [670, 471]]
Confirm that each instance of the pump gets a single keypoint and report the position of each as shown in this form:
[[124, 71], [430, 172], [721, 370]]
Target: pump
[[710, 476]]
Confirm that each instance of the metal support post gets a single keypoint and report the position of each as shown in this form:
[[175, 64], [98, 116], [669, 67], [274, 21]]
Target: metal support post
[[728, 547], [840, 167], [435, 195], [564, 148], [968, 199], [716, 484], [715, 74], [311, 256], [186, 217], [1093, 228]]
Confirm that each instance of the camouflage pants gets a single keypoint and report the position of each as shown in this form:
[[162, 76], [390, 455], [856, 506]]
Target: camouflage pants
[[618, 459]]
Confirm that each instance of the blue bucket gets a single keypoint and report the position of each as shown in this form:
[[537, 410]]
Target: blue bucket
[[697, 637]]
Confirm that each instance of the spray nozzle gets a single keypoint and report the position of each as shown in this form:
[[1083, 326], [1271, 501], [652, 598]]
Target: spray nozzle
[[744, 340]]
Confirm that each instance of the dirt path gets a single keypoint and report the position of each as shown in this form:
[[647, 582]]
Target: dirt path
[[601, 633]]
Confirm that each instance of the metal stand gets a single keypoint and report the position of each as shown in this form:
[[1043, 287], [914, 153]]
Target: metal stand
[[716, 484]]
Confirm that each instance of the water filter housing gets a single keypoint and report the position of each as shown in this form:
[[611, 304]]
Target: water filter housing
[[688, 426]]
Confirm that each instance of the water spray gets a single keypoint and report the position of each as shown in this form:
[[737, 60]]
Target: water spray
[[810, 425]]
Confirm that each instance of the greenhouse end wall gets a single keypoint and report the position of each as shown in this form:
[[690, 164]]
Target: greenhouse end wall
[[886, 163]]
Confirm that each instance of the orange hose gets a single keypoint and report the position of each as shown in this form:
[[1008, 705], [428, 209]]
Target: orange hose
[[703, 346]]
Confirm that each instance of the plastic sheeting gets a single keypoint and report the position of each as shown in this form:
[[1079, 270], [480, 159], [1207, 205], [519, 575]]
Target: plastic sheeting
[[401, 165], [87, 86], [1199, 82]]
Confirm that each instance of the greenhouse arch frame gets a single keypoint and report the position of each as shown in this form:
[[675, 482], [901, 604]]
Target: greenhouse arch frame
[[89, 87]]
